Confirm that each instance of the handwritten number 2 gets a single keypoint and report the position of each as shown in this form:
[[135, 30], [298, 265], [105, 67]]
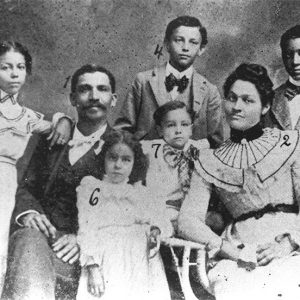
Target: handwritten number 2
[[94, 199], [286, 143]]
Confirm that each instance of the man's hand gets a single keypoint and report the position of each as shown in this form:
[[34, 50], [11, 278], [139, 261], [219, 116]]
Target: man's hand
[[66, 248], [95, 282], [267, 252], [39, 222], [61, 133]]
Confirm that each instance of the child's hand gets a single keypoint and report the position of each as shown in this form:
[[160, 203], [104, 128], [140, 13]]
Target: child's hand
[[61, 133], [154, 241], [95, 281]]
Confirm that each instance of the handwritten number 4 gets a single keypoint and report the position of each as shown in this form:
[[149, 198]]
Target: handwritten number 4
[[158, 51]]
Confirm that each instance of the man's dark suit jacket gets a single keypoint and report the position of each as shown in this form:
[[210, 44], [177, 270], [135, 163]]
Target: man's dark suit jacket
[[58, 201]]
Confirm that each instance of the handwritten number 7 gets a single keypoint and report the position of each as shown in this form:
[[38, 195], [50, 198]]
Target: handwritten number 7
[[157, 147]]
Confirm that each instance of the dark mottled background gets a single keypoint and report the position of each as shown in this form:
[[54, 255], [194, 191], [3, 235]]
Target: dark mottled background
[[62, 35]]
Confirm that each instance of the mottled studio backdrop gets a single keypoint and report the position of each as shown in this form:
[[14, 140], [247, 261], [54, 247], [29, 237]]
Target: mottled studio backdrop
[[122, 35]]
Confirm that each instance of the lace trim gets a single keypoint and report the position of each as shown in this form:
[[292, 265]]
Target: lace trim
[[19, 117], [247, 153]]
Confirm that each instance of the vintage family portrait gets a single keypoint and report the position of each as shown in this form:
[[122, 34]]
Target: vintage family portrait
[[149, 149]]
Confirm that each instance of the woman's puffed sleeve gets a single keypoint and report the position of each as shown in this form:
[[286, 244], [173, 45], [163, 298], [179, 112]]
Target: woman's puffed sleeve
[[87, 195], [191, 220], [146, 146], [37, 124]]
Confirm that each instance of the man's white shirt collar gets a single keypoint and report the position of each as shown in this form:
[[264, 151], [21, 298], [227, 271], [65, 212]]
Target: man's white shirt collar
[[77, 135], [188, 72], [81, 144]]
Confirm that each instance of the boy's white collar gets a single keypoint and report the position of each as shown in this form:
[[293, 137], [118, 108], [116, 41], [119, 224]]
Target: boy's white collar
[[186, 146], [188, 72]]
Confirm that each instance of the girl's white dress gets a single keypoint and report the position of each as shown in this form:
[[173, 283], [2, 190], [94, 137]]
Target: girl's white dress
[[114, 224], [14, 135], [250, 177]]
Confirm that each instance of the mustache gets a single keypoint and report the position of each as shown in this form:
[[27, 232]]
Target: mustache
[[100, 105]]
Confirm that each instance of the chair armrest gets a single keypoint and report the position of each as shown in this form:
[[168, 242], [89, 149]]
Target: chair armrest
[[183, 272], [177, 242]]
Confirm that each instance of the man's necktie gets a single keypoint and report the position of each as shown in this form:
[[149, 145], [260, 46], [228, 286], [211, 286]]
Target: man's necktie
[[11, 97], [184, 161], [172, 81], [94, 142], [81, 141], [291, 91]]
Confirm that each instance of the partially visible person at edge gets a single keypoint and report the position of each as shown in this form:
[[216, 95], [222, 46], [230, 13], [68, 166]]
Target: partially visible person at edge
[[256, 174], [43, 255], [185, 40], [285, 109], [17, 124]]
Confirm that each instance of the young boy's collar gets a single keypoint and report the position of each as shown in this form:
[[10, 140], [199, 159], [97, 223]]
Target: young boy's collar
[[185, 148], [170, 69]]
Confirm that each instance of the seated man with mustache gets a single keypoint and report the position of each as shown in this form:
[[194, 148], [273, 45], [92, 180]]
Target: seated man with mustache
[[43, 250]]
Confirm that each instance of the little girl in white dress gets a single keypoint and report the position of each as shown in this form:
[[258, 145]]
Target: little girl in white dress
[[17, 123], [119, 222]]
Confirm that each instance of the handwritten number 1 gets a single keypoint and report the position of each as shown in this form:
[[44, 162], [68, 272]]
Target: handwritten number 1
[[66, 82]]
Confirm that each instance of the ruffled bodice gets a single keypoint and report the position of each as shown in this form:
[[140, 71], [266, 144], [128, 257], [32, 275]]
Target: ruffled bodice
[[252, 174], [15, 133]]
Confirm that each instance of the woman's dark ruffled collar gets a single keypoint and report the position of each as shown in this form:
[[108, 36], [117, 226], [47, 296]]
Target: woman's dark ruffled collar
[[249, 135]]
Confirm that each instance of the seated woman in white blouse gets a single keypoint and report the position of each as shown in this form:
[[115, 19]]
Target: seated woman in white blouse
[[256, 174]]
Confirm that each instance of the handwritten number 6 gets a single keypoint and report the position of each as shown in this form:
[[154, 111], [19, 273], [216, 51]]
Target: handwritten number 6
[[157, 147], [94, 199]]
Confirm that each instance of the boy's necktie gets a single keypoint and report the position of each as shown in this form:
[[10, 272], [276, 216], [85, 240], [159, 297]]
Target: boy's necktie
[[172, 81], [184, 161], [291, 91]]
